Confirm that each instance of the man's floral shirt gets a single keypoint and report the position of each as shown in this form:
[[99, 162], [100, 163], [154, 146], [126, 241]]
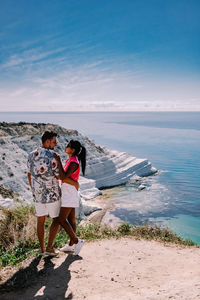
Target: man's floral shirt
[[44, 171]]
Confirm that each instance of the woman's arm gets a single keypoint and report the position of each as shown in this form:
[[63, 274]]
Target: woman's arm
[[72, 182], [60, 167], [66, 180], [73, 166]]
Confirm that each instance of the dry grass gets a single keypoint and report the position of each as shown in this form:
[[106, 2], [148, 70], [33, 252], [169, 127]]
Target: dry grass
[[17, 224]]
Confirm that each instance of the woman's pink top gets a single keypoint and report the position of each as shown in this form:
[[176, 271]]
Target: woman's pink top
[[75, 175]]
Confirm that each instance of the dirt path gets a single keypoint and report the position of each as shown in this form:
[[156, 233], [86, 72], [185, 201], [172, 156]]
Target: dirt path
[[113, 270]]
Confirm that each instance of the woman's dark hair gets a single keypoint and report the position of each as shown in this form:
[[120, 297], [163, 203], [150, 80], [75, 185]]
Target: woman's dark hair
[[48, 135], [80, 152]]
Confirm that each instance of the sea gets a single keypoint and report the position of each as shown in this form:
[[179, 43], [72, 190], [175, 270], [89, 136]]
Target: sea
[[169, 140]]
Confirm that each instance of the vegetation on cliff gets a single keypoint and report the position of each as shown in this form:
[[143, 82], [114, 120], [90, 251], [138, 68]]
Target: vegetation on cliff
[[18, 238]]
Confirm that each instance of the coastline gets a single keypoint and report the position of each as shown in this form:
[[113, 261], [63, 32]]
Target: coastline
[[105, 167], [161, 138]]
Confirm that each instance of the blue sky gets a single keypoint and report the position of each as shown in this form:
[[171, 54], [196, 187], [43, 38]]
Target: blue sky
[[99, 55]]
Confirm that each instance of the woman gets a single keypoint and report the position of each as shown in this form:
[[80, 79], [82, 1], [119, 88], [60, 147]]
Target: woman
[[69, 198]]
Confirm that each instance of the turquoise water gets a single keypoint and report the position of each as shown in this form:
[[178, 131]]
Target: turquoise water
[[171, 141]]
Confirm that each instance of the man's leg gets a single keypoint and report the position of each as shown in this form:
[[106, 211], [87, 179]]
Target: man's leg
[[53, 211], [40, 232]]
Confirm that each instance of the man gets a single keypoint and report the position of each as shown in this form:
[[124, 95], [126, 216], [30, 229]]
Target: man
[[43, 180]]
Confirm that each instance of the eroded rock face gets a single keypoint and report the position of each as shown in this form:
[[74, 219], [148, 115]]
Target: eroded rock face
[[32, 129], [7, 193], [105, 168]]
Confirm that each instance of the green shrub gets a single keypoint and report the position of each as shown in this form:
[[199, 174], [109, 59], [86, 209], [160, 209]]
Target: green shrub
[[124, 228]]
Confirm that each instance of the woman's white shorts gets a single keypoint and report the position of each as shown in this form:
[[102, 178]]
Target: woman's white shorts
[[69, 196]]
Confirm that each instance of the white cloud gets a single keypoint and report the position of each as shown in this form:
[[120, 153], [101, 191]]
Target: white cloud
[[29, 57], [98, 85]]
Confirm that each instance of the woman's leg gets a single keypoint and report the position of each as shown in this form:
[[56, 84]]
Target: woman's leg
[[72, 222], [72, 219], [64, 214]]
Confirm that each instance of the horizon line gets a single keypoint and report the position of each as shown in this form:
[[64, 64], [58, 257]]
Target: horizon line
[[103, 111]]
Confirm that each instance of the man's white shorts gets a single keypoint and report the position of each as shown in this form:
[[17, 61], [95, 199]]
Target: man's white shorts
[[47, 209]]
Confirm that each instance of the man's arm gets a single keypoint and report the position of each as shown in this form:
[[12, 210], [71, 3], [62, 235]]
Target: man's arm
[[29, 179]]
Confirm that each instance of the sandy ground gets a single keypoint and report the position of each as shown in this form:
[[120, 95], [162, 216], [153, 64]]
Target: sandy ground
[[113, 269]]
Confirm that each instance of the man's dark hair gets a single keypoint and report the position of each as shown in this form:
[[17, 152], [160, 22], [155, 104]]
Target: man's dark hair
[[48, 135]]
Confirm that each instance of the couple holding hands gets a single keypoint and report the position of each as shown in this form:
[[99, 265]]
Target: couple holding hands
[[44, 172]]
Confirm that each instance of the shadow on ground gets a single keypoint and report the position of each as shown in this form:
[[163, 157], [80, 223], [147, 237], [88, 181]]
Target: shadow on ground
[[52, 283]]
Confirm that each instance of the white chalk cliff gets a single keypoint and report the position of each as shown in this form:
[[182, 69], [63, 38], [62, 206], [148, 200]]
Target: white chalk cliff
[[105, 168]]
